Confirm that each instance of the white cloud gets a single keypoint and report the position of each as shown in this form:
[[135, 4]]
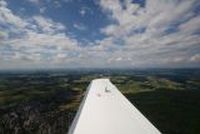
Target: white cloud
[[82, 11], [7, 17], [3, 3], [191, 26], [195, 58], [137, 38], [143, 30], [39, 39], [155, 16], [47, 25], [86, 10], [80, 27]]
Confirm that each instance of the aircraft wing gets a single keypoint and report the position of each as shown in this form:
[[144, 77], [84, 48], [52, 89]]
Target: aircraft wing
[[104, 110]]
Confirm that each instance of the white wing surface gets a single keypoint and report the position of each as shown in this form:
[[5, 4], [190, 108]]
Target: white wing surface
[[104, 110]]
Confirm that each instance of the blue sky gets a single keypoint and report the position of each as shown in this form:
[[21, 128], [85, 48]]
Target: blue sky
[[99, 33]]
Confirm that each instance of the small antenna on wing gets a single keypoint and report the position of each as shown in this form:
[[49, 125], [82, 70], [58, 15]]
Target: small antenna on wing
[[107, 90]]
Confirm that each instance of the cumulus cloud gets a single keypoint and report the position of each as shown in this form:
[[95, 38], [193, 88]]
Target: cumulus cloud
[[161, 32], [35, 39], [46, 25], [158, 34]]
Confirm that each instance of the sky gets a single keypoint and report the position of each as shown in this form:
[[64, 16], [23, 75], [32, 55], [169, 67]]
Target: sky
[[99, 34]]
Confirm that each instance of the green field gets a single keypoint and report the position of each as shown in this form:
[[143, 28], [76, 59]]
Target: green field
[[47, 102]]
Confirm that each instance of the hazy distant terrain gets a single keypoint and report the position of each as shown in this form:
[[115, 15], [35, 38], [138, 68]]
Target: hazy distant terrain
[[45, 102]]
